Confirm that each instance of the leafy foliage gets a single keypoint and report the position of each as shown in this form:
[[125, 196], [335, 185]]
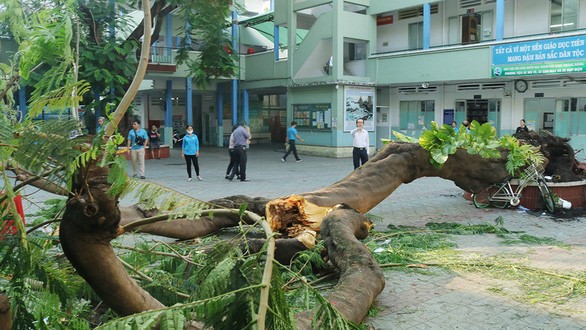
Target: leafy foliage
[[208, 21], [480, 140], [108, 66], [520, 155], [441, 142], [43, 289]]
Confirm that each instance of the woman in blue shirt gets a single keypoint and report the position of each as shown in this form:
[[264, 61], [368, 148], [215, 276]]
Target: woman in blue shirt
[[190, 151]]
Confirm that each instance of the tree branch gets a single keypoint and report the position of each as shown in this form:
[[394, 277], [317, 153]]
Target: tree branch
[[140, 72]]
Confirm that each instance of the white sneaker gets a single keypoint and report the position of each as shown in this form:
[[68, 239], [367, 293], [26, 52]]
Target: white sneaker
[[199, 178], [188, 179]]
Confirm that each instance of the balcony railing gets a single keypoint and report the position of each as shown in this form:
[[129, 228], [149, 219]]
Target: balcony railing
[[161, 55]]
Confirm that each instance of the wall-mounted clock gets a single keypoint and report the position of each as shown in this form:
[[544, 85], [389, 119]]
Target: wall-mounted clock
[[521, 85]]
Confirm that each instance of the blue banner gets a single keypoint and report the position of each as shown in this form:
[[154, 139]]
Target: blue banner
[[556, 55]]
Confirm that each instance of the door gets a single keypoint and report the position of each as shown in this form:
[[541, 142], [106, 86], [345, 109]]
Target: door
[[460, 112], [470, 28], [494, 115], [383, 125], [534, 110], [477, 109]]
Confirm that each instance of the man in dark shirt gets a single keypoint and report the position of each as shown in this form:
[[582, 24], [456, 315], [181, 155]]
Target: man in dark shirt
[[241, 139]]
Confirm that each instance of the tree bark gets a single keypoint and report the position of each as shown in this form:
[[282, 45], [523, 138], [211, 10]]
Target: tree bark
[[361, 279], [92, 219], [5, 317], [371, 183], [89, 223]]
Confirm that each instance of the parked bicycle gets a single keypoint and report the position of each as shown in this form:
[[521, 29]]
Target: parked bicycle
[[502, 195]]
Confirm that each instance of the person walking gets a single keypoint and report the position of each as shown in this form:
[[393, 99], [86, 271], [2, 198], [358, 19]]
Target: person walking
[[155, 142], [241, 139], [291, 137], [233, 157], [137, 140], [190, 152], [360, 144]]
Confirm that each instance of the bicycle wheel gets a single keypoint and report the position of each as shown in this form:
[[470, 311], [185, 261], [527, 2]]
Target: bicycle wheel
[[482, 199], [500, 204], [546, 195]]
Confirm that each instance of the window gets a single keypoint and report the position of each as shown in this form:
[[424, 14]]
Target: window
[[563, 15], [416, 114], [416, 35], [574, 115]]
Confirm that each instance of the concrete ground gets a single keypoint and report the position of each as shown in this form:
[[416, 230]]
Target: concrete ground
[[434, 298]]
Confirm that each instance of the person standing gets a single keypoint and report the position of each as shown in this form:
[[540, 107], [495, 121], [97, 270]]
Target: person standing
[[190, 152], [360, 144], [291, 136], [100, 124], [136, 142], [466, 124], [241, 139], [155, 142], [233, 157], [455, 126], [522, 127]]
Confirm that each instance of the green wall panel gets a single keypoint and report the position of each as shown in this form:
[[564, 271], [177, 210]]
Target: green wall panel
[[437, 66]]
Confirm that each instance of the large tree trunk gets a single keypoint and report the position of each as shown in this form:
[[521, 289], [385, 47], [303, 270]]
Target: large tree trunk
[[371, 183], [92, 219], [5, 317], [89, 223], [361, 279]]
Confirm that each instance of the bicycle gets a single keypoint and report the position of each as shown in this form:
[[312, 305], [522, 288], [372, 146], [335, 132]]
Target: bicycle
[[502, 195]]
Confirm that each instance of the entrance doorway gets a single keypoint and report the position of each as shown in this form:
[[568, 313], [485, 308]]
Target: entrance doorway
[[481, 110], [477, 109]]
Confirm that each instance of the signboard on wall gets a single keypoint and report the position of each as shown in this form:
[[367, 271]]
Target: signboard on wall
[[358, 103], [313, 116], [555, 55], [384, 20], [449, 116]]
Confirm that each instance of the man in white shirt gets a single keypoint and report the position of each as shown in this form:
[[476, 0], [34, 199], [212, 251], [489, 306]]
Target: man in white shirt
[[360, 144]]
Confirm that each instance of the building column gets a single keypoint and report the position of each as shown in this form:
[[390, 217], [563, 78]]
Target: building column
[[189, 100], [22, 107], [426, 25], [220, 114], [168, 36], [245, 111], [500, 19], [276, 46], [168, 131], [234, 81]]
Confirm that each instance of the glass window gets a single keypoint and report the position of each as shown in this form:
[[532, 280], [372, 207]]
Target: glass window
[[563, 15], [416, 35], [416, 114]]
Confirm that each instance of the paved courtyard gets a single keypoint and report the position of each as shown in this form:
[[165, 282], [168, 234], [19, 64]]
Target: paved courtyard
[[433, 298], [436, 298]]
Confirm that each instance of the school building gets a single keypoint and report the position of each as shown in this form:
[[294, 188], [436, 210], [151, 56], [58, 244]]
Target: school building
[[397, 64]]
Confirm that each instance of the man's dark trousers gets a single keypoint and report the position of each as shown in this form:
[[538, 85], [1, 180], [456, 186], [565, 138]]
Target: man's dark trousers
[[359, 155], [292, 148], [242, 158]]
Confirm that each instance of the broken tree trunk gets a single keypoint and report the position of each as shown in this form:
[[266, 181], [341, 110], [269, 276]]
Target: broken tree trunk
[[89, 223], [361, 279], [92, 219], [371, 183], [562, 164]]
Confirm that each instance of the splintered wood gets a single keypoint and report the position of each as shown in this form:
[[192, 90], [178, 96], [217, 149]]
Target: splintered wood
[[294, 215]]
